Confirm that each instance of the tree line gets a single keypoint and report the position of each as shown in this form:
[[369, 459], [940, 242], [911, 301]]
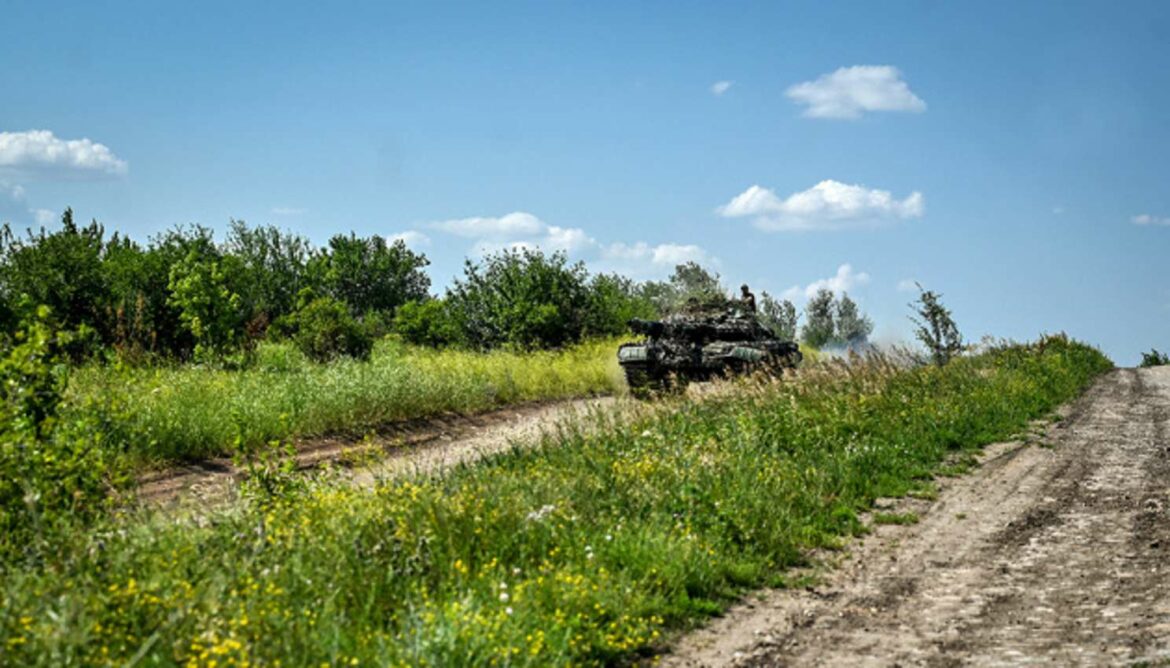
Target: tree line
[[182, 295]]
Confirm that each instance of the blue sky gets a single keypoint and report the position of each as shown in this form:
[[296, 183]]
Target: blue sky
[[999, 153]]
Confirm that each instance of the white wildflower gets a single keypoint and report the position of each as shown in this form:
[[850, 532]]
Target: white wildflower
[[538, 515]]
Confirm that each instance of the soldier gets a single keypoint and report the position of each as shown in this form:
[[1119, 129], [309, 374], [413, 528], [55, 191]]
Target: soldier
[[748, 299]]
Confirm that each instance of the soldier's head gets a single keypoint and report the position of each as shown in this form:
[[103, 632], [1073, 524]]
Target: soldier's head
[[744, 289]]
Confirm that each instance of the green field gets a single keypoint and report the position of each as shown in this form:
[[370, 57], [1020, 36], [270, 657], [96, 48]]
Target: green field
[[191, 412], [586, 550]]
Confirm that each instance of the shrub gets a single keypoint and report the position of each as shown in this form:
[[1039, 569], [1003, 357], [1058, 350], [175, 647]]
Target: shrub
[[834, 321], [853, 326], [819, 324], [1154, 358], [688, 281], [426, 323], [208, 307], [50, 473], [522, 298], [779, 316], [324, 330], [60, 269], [272, 265], [613, 301], [936, 329], [367, 274]]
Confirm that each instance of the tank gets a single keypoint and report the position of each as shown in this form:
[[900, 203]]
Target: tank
[[701, 344]]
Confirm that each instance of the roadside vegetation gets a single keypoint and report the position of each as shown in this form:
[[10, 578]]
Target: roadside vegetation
[[188, 412], [1154, 358], [585, 550]]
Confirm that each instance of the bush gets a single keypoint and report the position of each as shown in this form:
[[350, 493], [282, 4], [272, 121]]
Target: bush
[[426, 323], [50, 473], [936, 329], [521, 298], [613, 301], [324, 330], [779, 316], [61, 270], [819, 324], [208, 307], [689, 281], [1154, 358], [367, 274], [834, 321]]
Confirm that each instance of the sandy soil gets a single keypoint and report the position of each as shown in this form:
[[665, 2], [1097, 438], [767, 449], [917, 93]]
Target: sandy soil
[[1055, 552], [421, 445]]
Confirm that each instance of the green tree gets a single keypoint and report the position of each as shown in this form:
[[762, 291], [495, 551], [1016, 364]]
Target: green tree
[[208, 307], [819, 324], [426, 323], [852, 326], [325, 330], [936, 329], [688, 281], [1154, 358], [61, 270], [368, 274], [613, 301], [144, 317], [51, 473], [520, 297], [779, 316], [274, 266]]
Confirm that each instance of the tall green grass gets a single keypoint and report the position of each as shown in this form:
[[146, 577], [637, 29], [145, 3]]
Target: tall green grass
[[193, 412], [582, 551]]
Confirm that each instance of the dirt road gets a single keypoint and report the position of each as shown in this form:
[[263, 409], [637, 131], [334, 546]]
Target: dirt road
[[419, 445], [1057, 553]]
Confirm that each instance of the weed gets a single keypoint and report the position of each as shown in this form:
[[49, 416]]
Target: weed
[[196, 412], [895, 518]]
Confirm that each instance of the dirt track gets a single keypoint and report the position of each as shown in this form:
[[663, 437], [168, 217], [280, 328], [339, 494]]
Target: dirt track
[[420, 445], [1057, 554]]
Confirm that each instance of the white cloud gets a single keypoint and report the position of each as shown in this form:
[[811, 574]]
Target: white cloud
[[827, 205], [517, 223], [907, 285], [661, 255], [516, 230], [40, 152], [412, 238], [720, 87], [844, 280], [849, 92], [524, 231], [44, 216], [1147, 219], [568, 239], [288, 211]]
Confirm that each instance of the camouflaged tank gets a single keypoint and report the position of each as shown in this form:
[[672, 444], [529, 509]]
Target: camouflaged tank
[[698, 346]]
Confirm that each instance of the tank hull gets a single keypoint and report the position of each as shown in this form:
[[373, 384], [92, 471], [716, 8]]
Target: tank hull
[[688, 349]]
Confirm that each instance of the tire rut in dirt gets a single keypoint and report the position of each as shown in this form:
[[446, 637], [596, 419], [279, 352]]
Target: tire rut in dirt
[[1062, 556]]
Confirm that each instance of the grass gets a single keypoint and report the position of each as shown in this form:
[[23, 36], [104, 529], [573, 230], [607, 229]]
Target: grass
[[895, 518], [191, 412], [584, 551]]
